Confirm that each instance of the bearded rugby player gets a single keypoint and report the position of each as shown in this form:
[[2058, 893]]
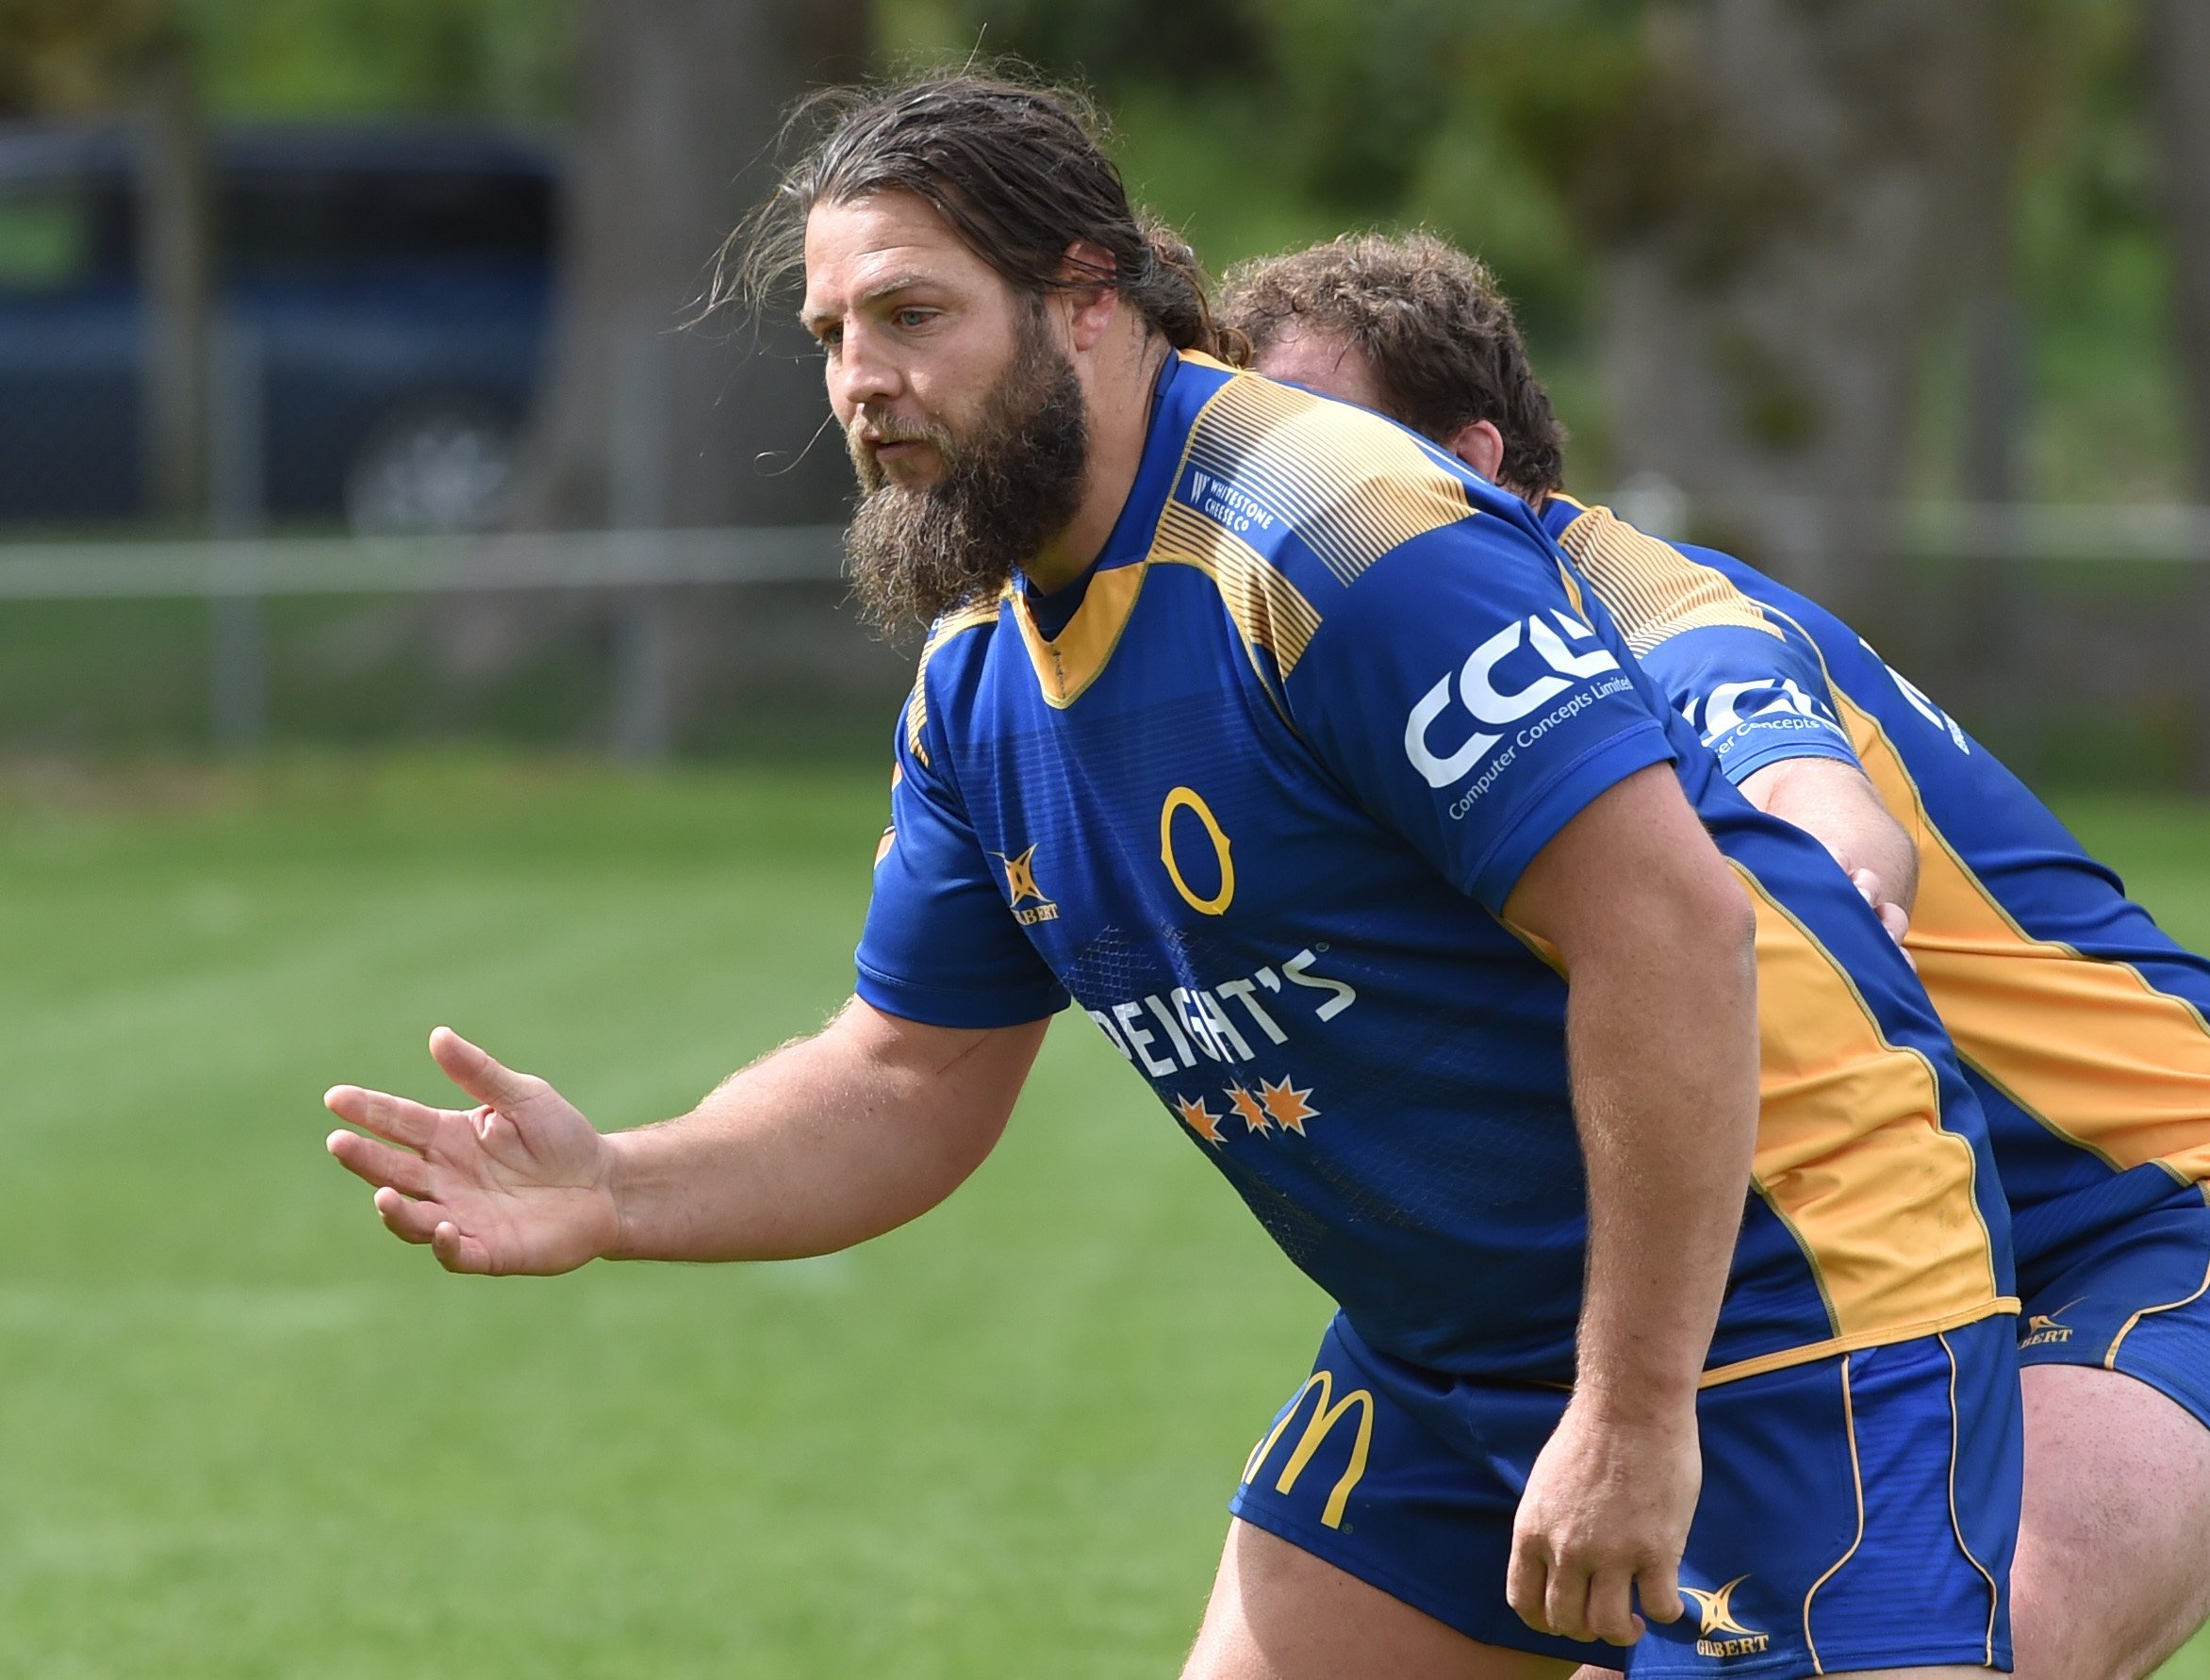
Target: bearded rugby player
[[1288, 747], [2081, 1025]]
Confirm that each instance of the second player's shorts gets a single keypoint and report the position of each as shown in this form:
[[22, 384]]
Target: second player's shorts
[[1858, 1511], [2119, 1278]]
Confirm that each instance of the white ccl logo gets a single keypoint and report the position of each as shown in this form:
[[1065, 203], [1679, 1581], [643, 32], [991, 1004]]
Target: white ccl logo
[[1727, 707], [1499, 707]]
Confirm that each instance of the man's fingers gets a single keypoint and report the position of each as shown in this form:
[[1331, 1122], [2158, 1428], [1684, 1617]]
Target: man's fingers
[[476, 1072], [407, 1219], [1526, 1582], [1566, 1602], [1657, 1586], [1611, 1608], [388, 1116], [1897, 922], [379, 1163], [456, 1252], [413, 1221]]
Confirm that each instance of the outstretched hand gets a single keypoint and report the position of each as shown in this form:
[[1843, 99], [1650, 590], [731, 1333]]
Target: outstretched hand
[[519, 1183]]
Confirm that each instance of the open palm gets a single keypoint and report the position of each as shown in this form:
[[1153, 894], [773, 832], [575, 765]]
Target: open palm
[[518, 1184]]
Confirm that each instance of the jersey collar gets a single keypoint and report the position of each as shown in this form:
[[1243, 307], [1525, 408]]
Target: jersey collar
[[1069, 662]]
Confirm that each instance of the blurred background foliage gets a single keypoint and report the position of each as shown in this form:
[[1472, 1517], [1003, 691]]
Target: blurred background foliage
[[1255, 126], [1870, 253]]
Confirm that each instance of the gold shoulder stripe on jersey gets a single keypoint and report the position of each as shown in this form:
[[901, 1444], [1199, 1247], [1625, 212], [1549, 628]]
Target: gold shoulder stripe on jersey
[[1270, 611], [1654, 591], [1352, 485], [952, 624]]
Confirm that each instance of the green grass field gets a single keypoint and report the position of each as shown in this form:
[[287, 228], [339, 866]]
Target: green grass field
[[242, 1432]]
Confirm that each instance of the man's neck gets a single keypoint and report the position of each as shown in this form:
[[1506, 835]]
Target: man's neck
[[1119, 398]]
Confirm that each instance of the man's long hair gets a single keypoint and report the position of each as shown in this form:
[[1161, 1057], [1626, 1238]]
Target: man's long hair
[[1435, 329], [1016, 167]]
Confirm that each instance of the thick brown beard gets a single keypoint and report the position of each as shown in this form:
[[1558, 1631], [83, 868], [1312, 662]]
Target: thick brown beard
[[1009, 487]]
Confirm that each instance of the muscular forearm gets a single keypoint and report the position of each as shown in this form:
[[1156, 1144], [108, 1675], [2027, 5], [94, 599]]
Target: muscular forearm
[[1663, 1041], [1835, 804], [828, 1142]]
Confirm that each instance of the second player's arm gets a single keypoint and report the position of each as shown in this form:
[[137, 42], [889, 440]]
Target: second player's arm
[[1837, 805], [828, 1142], [1657, 938]]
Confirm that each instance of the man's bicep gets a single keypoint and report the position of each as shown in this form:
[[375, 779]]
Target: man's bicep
[[983, 1065]]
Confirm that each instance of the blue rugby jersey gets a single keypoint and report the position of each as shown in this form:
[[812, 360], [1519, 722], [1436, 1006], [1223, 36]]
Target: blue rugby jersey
[[1257, 804], [2080, 1023]]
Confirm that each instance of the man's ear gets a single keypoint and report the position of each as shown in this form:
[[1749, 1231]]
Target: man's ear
[[1091, 272], [1480, 446]]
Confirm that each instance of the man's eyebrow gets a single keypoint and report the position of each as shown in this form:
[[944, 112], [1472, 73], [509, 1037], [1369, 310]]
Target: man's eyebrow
[[875, 294]]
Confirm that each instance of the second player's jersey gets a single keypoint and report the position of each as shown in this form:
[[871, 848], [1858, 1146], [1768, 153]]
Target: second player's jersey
[[1258, 802], [2081, 1023]]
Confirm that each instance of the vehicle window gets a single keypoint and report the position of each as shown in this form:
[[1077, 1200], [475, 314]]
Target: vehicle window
[[45, 237], [295, 220]]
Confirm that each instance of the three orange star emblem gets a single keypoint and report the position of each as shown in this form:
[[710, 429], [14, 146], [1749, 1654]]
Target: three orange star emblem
[[1277, 1103]]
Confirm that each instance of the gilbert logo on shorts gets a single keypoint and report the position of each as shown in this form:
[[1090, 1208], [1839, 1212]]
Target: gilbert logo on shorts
[[1718, 1611], [1020, 883], [2043, 1330]]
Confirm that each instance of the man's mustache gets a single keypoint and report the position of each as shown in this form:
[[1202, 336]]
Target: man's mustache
[[862, 431]]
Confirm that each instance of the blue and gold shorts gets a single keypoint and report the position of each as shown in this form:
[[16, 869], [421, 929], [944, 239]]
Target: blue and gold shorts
[[1858, 1511], [2109, 1281]]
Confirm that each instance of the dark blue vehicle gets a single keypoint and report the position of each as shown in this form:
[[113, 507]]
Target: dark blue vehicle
[[382, 299]]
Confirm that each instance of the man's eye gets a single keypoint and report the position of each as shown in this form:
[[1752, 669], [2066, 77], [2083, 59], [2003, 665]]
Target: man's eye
[[910, 319], [830, 339]]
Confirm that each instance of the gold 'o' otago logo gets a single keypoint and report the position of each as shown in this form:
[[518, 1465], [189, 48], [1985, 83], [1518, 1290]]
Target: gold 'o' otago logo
[[1184, 799]]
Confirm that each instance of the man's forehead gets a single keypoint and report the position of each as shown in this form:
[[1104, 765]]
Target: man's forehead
[[1322, 360], [858, 245]]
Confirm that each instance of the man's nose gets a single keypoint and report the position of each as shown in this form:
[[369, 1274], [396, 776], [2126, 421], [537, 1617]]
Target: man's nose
[[862, 373]]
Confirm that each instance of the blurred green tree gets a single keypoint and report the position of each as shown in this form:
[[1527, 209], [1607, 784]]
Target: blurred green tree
[[679, 106], [2176, 43], [74, 55], [1765, 187], [281, 58]]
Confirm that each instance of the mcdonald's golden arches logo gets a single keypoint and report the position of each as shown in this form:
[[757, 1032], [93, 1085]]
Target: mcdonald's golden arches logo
[[1326, 1412]]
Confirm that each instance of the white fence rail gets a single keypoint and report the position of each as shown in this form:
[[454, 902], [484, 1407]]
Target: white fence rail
[[234, 575], [410, 565]]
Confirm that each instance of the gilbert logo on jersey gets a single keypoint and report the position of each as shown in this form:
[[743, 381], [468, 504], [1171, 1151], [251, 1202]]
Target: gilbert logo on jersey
[[1020, 883]]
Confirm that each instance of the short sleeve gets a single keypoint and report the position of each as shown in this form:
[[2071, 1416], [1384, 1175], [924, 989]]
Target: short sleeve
[[1756, 699], [1462, 694], [939, 944]]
